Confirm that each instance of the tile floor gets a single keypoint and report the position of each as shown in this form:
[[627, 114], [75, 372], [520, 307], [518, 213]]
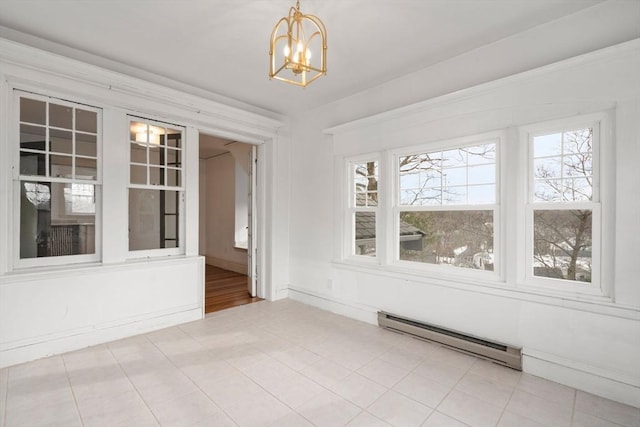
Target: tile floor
[[286, 364]]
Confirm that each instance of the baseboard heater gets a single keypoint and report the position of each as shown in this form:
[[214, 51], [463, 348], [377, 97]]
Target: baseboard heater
[[496, 352]]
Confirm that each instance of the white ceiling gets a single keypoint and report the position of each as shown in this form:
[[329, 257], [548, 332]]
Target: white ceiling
[[221, 46]]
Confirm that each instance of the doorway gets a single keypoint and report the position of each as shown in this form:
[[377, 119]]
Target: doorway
[[227, 221]]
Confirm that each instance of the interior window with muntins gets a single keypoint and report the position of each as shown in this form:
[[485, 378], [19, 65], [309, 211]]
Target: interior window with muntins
[[58, 176], [156, 185]]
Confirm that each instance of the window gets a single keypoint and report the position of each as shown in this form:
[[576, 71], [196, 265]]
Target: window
[[156, 190], [446, 205], [58, 180], [363, 207], [563, 204]]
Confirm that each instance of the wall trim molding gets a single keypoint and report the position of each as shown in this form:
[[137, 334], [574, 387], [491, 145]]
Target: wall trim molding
[[97, 334]]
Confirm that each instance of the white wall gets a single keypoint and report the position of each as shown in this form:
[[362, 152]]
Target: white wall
[[592, 346], [221, 215]]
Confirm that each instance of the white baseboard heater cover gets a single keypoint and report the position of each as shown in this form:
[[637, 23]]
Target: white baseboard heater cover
[[496, 352]]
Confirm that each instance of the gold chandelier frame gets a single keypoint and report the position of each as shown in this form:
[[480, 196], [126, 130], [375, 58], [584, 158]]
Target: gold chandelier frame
[[298, 66]]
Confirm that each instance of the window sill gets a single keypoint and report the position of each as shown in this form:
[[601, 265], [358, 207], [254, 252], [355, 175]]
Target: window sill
[[572, 300]]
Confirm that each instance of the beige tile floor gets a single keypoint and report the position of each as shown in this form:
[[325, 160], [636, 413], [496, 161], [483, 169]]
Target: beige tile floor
[[286, 364]]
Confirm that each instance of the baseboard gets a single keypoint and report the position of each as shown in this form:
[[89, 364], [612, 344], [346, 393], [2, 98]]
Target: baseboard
[[605, 383], [236, 267], [335, 305], [99, 334]]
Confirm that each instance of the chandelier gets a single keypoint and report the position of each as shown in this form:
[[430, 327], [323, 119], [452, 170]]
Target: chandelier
[[298, 48]]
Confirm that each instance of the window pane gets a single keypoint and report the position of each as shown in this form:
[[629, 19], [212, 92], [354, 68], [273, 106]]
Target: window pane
[[138, 153], [562, 244], [153, 219], [48, 227], [86, 145], [481, 154], [60, 116], [547, 168], [549, 190], [61, 166], [156, 156], [32, 111], [454, 158], [577, 189], [453, 238], [365, 233], [156, 176], [33, 137], [86, 168], [456, 176], [32, 164], [547, 145], [173, 177], [174, 138], [173, 158], [61, 141], [454, 195], [138, 174], [482, 194], [86, 121]]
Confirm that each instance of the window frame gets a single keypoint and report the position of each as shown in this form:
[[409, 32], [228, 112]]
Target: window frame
[[397, 208], [349, 248], [18, 179], [598, 122], [181, 189]]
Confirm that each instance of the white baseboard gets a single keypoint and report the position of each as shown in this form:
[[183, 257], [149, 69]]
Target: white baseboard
[[236, 267], [608, 384], [75, 340], [335, 305]]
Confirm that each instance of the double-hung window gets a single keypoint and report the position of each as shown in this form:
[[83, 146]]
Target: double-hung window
[[563, 209], [156, 188], [58, 181], [363, 207], [446, 206]]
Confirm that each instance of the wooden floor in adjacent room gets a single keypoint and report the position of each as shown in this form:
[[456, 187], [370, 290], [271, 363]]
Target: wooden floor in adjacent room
[[225, 289]]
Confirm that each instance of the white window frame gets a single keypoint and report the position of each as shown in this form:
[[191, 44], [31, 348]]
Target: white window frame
[[599, 122], [19, 263], [349, 249], [159, 252], [497, 274]]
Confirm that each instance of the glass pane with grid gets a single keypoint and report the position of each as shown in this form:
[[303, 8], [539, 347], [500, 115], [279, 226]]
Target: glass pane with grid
[[563, 166], [365, 184], [155, 155], [461, 176], [58, 164], [57, 139]]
